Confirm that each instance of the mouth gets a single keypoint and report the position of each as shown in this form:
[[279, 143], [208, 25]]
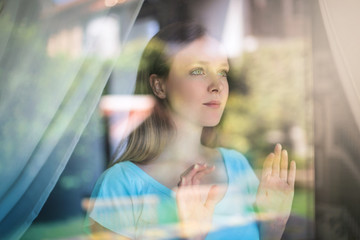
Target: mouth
[[213, 104]]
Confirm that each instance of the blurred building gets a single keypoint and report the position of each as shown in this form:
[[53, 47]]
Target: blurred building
[[76, 24]]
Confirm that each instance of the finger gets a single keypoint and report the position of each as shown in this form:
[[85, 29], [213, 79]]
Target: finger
[[276, 165], [267, 167], [192, 168], [186, 177], [213, 197], [201, 174], [284, 165], [183, 182], [292, 174]]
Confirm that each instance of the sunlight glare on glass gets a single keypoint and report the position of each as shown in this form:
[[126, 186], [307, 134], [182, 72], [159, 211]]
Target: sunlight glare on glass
[[111, 3], [110, 104]]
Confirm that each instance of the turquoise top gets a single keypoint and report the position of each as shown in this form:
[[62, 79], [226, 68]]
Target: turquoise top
[[130, 202]]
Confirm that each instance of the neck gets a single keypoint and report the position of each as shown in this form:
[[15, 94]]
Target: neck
[[186, 145]]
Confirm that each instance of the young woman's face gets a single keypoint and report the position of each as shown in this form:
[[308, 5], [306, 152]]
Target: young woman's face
[[197, 87]]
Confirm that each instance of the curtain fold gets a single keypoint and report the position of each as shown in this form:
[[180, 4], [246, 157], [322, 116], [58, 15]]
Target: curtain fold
[[45, 101], [341, 20]]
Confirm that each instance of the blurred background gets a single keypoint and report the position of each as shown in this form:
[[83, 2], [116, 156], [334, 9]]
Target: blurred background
[[58, 58]]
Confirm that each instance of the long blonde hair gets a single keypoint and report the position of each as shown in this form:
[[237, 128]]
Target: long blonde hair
[[150, 138]]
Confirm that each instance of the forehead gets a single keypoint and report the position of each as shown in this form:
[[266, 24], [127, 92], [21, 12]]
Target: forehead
[[204, 49]]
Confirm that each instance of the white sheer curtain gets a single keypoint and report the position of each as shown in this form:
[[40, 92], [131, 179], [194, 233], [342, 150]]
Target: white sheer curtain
[[337, 118], [49, 89], [341, 20]]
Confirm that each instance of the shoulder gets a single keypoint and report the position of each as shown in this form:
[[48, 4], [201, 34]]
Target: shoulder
[[123, 169], [238, 167], [119, 180], [116, 199], [235, 159], [232, 153]]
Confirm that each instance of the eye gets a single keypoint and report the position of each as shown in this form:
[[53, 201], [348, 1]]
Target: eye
[[223, 73], [197, 71]]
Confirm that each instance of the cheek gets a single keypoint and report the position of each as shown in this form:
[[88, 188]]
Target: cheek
[[186, 91]]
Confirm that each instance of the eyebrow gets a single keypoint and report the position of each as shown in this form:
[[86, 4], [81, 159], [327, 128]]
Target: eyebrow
[[207, 63]]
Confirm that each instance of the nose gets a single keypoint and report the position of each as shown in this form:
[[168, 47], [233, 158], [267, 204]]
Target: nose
[[216, 85]]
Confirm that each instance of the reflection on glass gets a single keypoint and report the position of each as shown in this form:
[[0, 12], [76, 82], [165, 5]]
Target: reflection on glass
[[59, 57], [169, 182]]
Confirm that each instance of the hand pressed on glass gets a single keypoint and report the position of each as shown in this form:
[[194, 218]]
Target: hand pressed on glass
[[196, 202], [275, 193]]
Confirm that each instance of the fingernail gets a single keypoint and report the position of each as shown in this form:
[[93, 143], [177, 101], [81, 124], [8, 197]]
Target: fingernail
[[196, 166]]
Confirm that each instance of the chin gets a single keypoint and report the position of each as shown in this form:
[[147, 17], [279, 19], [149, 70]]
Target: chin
[[210, 120], [211, 123]]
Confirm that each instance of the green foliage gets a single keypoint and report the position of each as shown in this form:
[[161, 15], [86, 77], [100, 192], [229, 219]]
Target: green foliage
[[303, 203], [275, 100], [70, 228]]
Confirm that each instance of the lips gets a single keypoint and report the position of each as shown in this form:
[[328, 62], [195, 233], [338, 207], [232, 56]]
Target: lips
[[212, 104]]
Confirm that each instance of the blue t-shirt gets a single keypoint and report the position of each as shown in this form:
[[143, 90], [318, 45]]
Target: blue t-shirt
[[128, 201]]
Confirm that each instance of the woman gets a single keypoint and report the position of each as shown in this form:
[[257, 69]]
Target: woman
[[168, 183]]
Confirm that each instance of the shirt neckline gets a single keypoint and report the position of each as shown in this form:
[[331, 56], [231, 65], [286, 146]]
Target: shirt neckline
[[167, 190]]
